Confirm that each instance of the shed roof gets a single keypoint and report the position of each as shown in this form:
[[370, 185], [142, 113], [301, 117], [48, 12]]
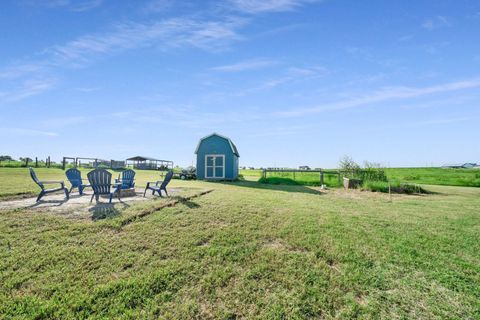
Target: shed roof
[[232, 145], [140, 158]]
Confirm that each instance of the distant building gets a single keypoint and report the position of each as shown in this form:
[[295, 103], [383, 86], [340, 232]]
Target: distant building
[[467, 165], [304, 168], [147, 163]]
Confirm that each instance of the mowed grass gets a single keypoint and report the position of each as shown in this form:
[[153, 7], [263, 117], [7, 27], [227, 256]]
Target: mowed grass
[[431, 176], [248, 250], [17, 181], [437, 176]]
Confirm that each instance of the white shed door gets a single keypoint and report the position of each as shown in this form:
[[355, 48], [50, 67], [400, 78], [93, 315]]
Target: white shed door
[[215, 166]]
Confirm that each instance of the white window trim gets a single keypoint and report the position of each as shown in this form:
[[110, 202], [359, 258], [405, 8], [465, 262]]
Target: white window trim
[[215, 166]]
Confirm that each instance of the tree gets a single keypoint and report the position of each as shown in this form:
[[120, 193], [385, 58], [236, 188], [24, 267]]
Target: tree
[[26, 160], [348, 167], [6, 158]]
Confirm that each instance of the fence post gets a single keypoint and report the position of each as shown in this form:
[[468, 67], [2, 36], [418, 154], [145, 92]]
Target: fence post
[[36, 162], [321, 177], [390, 191]]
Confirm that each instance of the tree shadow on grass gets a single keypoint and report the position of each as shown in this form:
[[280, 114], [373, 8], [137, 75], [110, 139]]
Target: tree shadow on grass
[[276, 187]]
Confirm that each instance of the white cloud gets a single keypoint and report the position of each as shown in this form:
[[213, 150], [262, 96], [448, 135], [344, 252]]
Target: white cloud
[[435, 48], [436, 22], [155, 6], [26, 132], [383, 95], [292, 74], [423, 123], [170, 33], [261, 6], [175, 32], [71, 5], [88, 89], [406, 38], [245, 65], [20, 70], [209, 32], [27, 89], [64, 121]]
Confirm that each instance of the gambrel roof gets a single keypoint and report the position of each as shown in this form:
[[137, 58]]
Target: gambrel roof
[[232, 145]]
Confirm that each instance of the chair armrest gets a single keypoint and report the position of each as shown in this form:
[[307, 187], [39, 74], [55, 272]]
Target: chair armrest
[[51, 181], [158, 182]]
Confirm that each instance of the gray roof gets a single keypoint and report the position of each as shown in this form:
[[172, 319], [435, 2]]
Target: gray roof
[[140, 158]]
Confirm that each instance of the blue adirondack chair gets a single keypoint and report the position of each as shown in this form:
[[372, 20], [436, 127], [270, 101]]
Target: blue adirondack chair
[[42, 184], [74, 176], [159, 185], [101, 183], [128, 179]]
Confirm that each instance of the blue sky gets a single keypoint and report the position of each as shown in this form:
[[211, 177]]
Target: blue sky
[[291, 82]]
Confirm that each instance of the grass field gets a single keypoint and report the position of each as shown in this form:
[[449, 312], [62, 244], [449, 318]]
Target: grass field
[[248, 250], [432, 176], [17, 181], [437, 176]]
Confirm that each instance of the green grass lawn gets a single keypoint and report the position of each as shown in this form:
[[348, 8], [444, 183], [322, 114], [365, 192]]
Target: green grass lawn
[[17, 181], [437, 176], [248, 250], [432, 176]]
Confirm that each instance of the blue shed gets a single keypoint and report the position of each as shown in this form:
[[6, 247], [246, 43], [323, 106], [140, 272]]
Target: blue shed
[[217, 158]]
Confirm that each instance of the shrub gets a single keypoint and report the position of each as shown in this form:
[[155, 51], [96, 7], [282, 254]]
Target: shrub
[[375, 186], [396, 187]]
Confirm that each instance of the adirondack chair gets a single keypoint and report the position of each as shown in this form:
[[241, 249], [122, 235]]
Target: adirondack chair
[[159, 185], [74, 176], [42, 184], [128, 179], [101, 182]]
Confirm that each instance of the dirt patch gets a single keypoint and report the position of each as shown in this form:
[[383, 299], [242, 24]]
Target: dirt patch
[[275, 244], [278, 244], [361, 300], [78, 207]]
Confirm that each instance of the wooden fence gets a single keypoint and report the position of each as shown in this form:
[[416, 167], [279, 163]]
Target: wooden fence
[[321, 173]]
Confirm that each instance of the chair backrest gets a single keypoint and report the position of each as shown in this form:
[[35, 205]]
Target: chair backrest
[[167, 179], [35, 179], [100, 180], [74, 176], [128, 177]]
